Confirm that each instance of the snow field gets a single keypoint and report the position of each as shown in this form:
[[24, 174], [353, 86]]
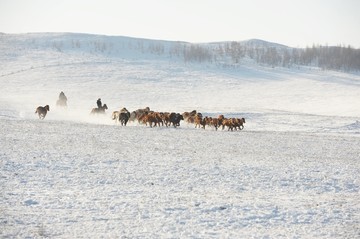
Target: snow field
[[65, 179]]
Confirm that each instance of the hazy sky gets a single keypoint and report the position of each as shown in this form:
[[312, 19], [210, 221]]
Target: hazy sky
[[297, 23]]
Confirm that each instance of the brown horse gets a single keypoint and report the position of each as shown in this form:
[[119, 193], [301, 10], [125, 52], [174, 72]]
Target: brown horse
[[115, 115], [42, 111], [100, 110]]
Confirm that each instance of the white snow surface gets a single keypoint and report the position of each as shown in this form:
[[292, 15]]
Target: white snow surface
[[292, 172]]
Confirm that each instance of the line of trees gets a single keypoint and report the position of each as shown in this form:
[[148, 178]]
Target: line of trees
[[343, 58]]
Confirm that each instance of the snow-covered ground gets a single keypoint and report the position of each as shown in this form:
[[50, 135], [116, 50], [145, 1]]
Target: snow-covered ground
[[293, 172]]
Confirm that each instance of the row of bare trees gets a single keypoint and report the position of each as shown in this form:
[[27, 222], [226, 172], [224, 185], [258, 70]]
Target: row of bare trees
[[344, 58]]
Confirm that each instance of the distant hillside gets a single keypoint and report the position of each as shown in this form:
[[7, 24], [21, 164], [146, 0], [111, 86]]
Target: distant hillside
[[234, 53]]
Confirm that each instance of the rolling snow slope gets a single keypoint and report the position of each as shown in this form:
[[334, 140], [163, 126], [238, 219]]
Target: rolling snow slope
[[62, 179], [292, 172]]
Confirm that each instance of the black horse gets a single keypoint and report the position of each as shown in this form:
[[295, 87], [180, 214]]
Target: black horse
[[124, 117]]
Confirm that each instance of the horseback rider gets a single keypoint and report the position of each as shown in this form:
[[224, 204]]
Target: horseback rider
[[62, 96], [62, 100], [99, 104]]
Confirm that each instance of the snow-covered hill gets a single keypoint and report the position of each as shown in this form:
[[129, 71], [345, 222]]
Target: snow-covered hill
[[292, 172], [124, 71]]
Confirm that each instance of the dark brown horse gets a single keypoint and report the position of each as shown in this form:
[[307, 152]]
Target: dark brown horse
[[42, 111]]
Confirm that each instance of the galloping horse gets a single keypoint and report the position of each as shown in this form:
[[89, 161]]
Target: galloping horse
[[61, 102], [100, 110], [42, 111]]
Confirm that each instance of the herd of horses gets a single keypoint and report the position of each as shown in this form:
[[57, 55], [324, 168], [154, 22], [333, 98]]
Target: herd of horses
[[152, 118]]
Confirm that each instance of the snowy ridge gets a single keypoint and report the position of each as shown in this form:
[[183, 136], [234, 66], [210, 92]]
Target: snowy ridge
[[292, 172], [259, 43]]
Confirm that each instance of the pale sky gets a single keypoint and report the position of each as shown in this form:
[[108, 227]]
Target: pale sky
[[296, 23]]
